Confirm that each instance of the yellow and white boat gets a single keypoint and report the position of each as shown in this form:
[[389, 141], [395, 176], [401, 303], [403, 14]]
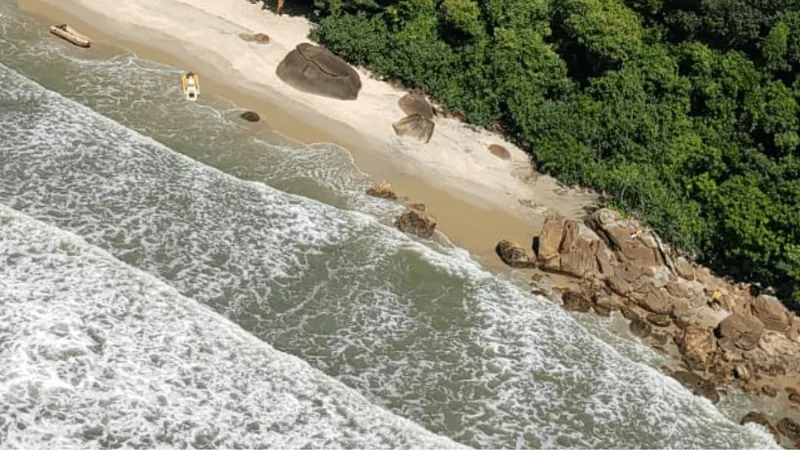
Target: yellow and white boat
[[191, 86]]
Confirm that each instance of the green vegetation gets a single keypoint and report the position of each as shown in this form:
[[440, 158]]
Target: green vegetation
[[686, 113]]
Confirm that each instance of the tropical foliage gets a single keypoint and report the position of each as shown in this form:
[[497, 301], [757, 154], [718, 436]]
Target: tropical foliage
[[684, 112]]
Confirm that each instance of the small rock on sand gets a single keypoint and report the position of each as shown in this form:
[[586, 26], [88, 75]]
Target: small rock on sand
[[258, 38], [499, 151]]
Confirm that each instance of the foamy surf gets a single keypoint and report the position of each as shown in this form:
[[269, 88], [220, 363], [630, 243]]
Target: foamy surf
[[97, 354], [429, 335]]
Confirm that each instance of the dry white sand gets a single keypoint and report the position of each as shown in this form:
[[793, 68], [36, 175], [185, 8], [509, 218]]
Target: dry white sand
[[456, 158]]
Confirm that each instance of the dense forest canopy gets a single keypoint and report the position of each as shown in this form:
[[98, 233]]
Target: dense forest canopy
[[686, 112]]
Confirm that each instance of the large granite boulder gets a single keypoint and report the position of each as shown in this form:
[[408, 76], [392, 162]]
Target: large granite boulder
[[415, 126], [413, 103], [568, 247], [771, 313], [316, 70], [740, 331], [515, 255], [630, 242]]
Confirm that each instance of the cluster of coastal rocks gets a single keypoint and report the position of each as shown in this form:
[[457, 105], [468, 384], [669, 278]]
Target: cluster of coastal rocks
[[720, 333], [414, 220]]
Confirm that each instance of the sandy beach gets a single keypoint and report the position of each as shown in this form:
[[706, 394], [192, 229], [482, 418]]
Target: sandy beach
[[476, 197]]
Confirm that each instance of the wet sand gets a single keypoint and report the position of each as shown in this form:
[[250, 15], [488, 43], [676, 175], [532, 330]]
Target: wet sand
[[468, 220]]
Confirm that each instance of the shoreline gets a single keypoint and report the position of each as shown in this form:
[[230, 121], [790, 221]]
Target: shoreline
[[474, 209], [471, 215]]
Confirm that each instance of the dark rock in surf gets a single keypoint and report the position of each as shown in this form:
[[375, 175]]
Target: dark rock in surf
[[416, 222], [575, 301], [382, 190], [250, 116], [763, 420]]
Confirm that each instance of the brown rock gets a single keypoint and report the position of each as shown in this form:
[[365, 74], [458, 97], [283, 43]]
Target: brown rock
[[640, 328], [659, 338], [605, 303], [626, 240], [769, 391], [709, 391], [771, 313], [601, 310], [515, 255], [250, 116], [578, 250], [414, 103], [415, 126], [678, 289], [416, 222], [382, 190], [619, 286], [258, 38], [790, 428], [697, 345], [683, 322], [315, 70], [499, 151], [794, 397], [698, 385], [659, 320], [654, 300], [763, 420], [574, 301], [740, 331], [741, 372], [550, 238], [605, 261], [629, 313], [684, 268]]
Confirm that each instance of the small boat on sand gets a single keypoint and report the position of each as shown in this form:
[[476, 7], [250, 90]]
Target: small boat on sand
[[69, 34], [191, 86]]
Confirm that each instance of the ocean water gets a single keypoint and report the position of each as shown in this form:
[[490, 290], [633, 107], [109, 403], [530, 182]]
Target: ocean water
[[174, 277]]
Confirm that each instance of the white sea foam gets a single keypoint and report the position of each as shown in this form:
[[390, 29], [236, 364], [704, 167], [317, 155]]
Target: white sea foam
[[430, 335], [94, 352]]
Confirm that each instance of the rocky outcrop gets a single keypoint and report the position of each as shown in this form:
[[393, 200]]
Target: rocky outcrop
[[500, 152], [383, 190], [720, 332], [415, 103], [258, 38], [515, 255], [316, 70], [250, 116], [416, 222], [415, 126]]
